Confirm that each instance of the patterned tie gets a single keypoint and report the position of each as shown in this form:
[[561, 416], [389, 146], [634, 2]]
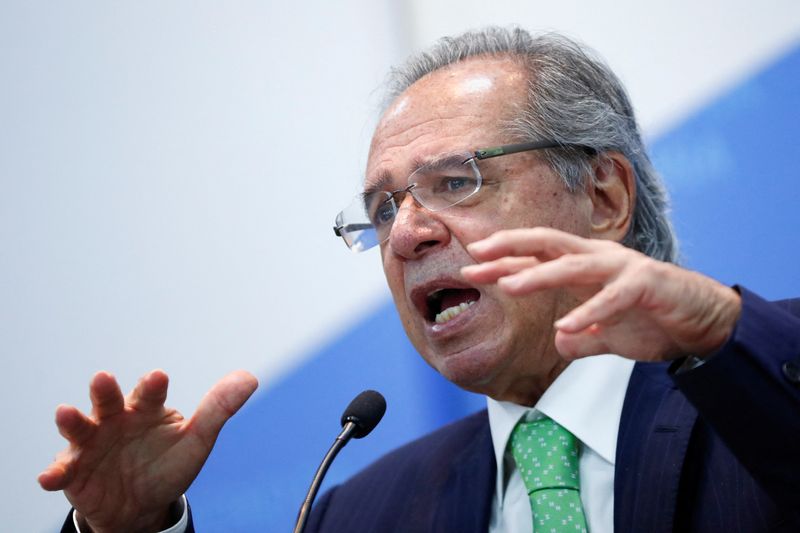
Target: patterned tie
[[547, 458]]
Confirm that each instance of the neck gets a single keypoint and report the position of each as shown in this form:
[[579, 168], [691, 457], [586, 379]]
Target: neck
[[527, 390]]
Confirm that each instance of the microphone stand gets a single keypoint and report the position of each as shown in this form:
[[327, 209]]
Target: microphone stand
[[338, 444]]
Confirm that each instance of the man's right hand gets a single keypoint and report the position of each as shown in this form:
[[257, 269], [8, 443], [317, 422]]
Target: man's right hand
[[133, 457]]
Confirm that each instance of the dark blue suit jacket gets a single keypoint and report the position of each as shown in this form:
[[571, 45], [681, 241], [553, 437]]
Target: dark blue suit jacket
[[735, 467]]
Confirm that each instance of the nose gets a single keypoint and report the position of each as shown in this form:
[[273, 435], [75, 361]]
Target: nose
[[416, 231]]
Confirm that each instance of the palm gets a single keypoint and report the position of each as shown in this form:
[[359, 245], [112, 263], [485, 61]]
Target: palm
[[133, 457], [135, 453]]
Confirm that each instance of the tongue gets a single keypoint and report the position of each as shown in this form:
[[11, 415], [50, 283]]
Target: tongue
[[454, 297]]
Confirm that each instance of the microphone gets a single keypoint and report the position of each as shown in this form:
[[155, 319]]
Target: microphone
[[358, 420], [364, 412]]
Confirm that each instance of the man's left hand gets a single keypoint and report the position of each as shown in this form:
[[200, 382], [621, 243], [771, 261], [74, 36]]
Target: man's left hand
[[631, 305]]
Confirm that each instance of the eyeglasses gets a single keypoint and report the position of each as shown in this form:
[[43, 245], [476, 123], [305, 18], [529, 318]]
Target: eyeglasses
[[444, 182]]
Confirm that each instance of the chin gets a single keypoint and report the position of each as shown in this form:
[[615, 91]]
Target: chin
[[472, 370]]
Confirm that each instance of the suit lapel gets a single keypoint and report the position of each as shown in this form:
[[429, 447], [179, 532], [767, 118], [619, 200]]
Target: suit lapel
[[654, 433], [465, 500]]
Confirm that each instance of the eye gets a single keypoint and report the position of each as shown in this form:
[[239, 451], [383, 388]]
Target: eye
[[382, 214], [454, 184]]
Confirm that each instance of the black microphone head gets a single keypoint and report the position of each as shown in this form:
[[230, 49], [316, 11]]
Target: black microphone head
[[365, 411]]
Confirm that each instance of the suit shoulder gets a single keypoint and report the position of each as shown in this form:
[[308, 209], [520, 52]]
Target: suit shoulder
[[429, 448], [792, 305], [425, 456], [415, 485]]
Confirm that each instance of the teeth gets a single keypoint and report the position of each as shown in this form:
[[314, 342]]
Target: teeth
[[452, 312]]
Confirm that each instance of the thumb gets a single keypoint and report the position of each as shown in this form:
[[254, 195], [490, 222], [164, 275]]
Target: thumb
[[220, 403]]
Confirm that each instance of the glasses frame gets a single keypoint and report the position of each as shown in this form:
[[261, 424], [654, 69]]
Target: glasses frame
[[485, 153]]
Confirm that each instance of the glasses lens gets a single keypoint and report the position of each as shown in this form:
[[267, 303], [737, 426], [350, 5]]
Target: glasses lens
[[439, 184], [446, 181], [366, 221], [380, 209]]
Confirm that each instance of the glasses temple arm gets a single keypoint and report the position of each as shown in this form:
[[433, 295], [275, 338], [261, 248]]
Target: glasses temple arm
[[351, 227], [525, 147]]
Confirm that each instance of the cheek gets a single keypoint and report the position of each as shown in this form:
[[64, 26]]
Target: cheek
[[393, 273], [475, 225], [553, 207]]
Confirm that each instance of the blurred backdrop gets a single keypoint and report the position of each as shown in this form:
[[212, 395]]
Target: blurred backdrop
[[169, 174]]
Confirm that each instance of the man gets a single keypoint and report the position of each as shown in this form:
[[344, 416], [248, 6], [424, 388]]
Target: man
[[503, 179]]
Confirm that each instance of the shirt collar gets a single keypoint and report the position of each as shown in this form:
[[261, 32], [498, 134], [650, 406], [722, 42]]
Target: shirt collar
[[586, 399]]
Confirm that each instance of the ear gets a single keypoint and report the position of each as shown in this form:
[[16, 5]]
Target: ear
[[613, 195]]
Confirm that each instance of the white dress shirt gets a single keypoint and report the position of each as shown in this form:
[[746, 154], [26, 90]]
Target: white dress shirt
[[587, 400]]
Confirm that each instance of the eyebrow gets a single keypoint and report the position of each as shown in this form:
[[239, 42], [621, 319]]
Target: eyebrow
[[429, 164], [380, 184]]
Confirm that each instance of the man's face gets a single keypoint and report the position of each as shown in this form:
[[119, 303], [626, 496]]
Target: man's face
[[499, 345]]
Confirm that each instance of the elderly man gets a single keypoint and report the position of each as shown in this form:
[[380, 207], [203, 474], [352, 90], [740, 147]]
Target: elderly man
[[522, 229]]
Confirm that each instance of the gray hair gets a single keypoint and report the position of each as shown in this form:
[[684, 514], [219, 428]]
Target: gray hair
[[573, 99]]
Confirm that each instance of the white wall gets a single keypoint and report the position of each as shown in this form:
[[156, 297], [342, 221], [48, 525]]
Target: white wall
[[169, 172]]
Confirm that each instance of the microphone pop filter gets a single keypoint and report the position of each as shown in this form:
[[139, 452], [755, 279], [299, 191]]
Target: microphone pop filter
[[365, 411]]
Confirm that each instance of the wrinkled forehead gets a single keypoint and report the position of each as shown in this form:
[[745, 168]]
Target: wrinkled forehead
[[451, 110]]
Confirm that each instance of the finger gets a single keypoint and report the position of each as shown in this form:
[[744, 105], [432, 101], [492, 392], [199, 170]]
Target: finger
[[612, 300], [545, 243], [73, 425], [54, 477], [590, 341], [106, 396], [220, 403], [490, 272], [59, 473], [571, 270], [150, 392]]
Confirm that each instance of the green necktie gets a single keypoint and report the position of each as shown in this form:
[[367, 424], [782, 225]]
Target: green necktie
[[547, 458]]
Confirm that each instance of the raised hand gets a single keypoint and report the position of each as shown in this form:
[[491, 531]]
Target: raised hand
[[632, 305], [133, 457]]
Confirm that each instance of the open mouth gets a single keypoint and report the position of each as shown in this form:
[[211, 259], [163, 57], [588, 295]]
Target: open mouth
[[444, 305]]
